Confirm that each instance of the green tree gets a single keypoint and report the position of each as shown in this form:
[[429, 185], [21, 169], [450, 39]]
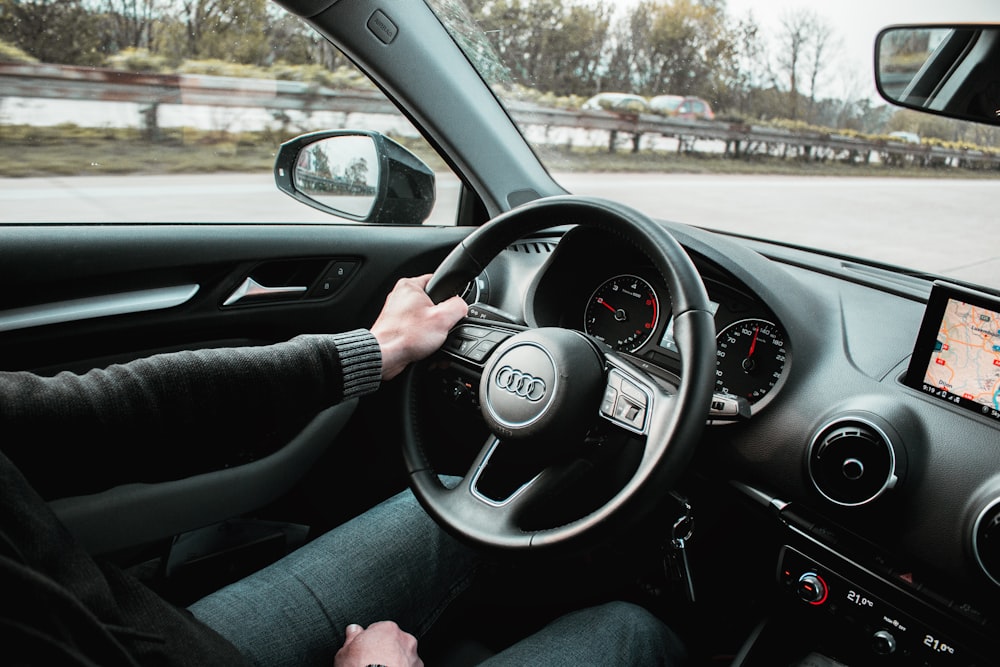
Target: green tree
[[235, 30], [672, 47], [551, 45], [54, 31]]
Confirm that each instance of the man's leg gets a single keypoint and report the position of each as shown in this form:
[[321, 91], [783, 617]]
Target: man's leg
[[391, 563], [615, 633]]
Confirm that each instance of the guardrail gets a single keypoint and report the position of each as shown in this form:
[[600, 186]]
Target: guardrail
[[152, 90]]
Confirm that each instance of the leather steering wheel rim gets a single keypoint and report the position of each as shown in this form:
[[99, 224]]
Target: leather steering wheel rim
[[673, 430]]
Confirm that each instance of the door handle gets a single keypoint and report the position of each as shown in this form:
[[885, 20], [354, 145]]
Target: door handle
[[251, 289]]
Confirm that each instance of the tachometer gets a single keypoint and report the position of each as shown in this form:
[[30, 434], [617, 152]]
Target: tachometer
[[622, 312], [749, 358]]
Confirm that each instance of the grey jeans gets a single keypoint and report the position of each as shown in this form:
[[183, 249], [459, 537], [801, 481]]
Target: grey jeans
[[394, 563]]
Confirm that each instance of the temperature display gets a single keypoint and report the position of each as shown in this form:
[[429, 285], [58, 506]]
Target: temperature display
[[938, 646], [860, 599]]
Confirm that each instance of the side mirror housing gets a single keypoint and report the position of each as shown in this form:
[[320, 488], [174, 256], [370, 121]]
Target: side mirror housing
[[358, 175]]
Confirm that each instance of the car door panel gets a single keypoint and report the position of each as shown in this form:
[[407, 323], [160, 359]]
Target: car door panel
[[86, 296]]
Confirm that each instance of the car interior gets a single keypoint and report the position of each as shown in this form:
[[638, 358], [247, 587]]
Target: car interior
[[763, 461]]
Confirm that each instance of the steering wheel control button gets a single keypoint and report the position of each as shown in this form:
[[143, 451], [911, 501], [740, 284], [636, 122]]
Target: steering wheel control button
[[482, 350], [608, 404], [474, 343], [624, 402]]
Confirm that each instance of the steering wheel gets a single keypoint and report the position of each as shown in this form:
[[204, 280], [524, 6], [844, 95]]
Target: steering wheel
[[540, 390]]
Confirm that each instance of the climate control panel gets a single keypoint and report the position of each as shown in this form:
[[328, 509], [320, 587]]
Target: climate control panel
[[871, 613]]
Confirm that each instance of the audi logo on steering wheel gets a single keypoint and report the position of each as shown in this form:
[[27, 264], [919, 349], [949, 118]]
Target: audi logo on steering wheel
[[520, 383]]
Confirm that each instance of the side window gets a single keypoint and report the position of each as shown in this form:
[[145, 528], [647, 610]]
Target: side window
[[160, 112]]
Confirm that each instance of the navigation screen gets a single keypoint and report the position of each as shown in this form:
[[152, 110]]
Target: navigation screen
[[957, 355]]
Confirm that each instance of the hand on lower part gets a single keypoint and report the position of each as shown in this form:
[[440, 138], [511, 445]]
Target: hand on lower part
[[381, 643], [410, 326]]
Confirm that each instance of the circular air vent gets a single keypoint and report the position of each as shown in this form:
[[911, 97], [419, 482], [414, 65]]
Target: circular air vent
[[852, 461], [986, 540]]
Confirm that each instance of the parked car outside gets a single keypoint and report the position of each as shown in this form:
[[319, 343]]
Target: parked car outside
[[907, 137], [682, 106], [695, 108], [617, 102], [666, 104]]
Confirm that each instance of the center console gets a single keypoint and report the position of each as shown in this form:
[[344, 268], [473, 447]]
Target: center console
[[841, 603]]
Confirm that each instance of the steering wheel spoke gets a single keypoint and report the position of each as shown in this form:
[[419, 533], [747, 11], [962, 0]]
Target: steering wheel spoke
[[488, 501]]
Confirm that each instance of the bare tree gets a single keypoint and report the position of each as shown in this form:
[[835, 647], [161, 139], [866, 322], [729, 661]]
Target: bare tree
[[822, 42], [131, 23], [792, 43], [747, 66], [804, 45]]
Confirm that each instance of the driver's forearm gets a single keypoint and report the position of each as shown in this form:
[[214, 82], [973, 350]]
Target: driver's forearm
[[157, 413]]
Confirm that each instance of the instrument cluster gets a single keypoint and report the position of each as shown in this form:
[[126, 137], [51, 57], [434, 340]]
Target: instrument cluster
[[619, 299]]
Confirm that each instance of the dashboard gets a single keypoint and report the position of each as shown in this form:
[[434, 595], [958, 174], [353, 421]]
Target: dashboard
[[886, 491]]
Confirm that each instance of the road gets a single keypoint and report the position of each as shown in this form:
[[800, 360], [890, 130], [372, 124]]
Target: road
[[944, 226]]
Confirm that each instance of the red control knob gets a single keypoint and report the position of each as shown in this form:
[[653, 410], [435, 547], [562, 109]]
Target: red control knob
[[812, 589]]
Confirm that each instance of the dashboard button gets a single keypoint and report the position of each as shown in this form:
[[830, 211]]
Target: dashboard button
[[812, 589], [883, 643]]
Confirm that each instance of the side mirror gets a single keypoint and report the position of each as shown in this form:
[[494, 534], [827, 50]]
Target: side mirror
[[948, 70], [358, 175]]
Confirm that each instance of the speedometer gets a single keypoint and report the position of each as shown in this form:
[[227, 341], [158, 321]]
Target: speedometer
[[749, 359], [622, 312]]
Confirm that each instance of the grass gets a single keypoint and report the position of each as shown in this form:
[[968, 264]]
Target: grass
[[69, 150]]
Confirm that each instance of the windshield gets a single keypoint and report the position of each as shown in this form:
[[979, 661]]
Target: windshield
[[754, 117]]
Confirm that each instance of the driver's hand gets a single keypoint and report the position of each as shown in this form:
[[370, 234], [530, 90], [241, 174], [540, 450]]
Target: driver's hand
[[381, 643], [410, 326]]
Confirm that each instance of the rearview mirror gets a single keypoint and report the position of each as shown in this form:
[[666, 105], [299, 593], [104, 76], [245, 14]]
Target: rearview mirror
[[948, 70], [358, 175]]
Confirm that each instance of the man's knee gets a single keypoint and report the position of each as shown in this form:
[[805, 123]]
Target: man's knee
[[628, 615], [641, 626]]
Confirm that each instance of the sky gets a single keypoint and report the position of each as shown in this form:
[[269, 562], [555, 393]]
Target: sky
[[856, 22]]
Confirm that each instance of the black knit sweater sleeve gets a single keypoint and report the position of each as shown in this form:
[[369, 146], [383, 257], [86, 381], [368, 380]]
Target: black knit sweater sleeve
[[172, 415]]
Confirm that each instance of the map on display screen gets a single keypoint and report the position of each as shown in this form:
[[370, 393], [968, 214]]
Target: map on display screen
[[957, 354]]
